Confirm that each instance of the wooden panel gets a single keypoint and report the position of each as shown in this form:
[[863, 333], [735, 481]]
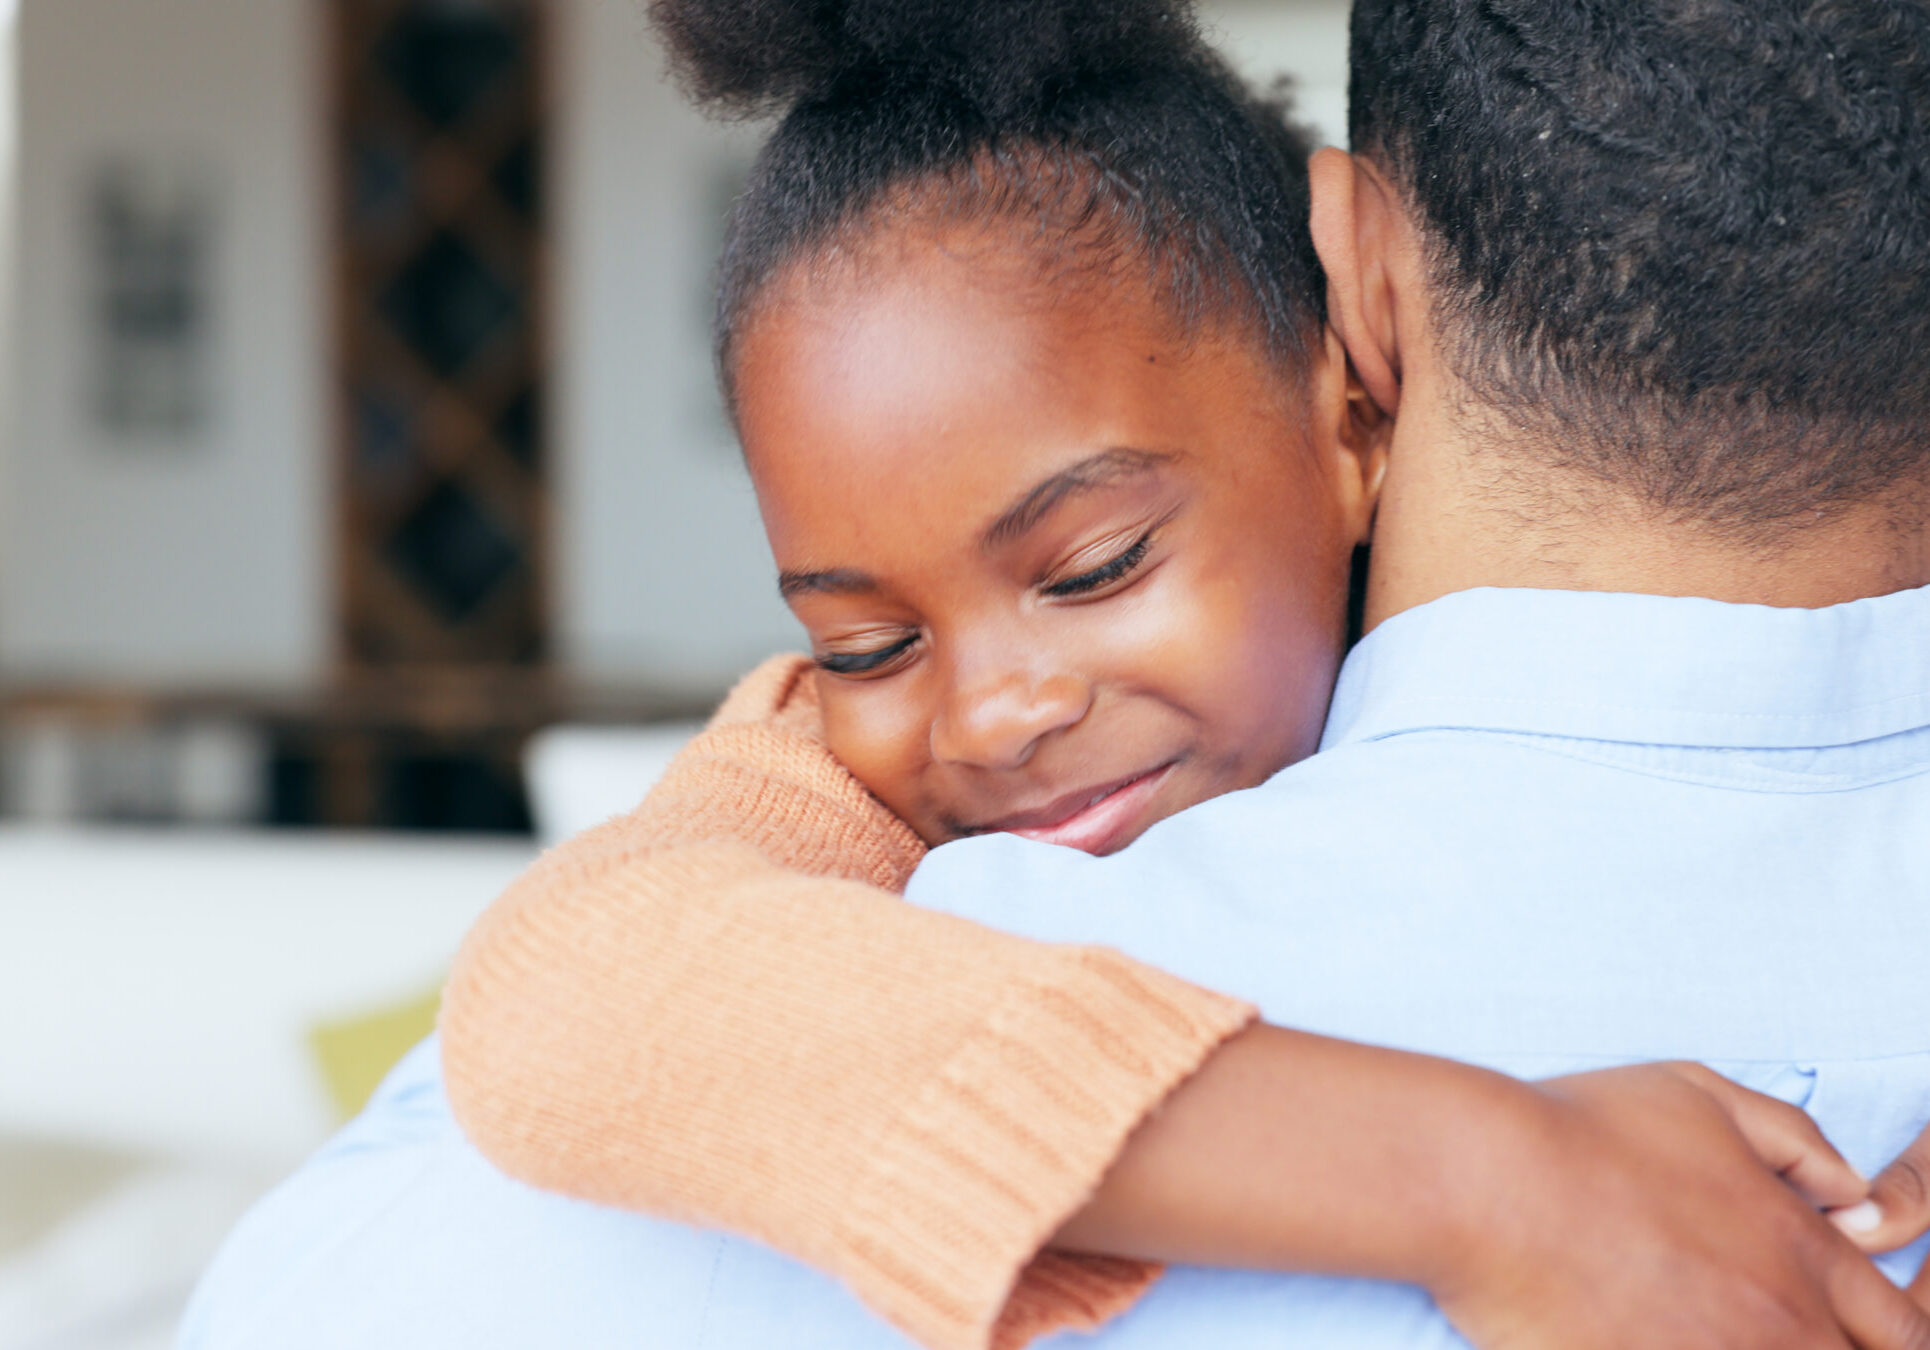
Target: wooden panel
[[441, 315]]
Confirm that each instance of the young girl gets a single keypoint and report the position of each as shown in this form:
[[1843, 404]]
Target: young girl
[[1023, 333]]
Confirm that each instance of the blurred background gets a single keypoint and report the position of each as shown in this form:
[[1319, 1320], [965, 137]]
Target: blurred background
[[367, 516]]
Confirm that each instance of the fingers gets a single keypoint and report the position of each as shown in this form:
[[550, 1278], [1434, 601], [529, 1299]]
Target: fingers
[[1920, 1287], [1876, 1314], [1786, 1139], [1898, 1210]]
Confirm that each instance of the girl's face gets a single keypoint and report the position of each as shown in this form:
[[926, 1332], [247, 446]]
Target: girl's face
[[1063, 575]]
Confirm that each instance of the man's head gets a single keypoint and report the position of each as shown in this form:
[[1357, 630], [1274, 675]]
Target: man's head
[[1681, 246]]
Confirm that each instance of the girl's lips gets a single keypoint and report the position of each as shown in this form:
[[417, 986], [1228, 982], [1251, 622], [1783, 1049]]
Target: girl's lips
[[1101, 819]]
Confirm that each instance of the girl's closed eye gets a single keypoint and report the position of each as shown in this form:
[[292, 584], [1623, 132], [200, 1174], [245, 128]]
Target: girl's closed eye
[[1107, 575], [873, 662], [1102, 579]]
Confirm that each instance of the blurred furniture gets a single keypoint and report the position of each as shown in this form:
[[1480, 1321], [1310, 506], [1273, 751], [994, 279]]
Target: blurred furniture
[[161, 992], [158, 992], [157, 987], [406, 749], [438, 136], [580, 776]]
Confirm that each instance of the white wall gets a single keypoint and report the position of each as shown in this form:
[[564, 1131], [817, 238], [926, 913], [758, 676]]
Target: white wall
[[202, 561], [1306, 39]]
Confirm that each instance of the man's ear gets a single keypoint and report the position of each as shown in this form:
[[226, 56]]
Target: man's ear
[[1354, 225], [1364, 431]]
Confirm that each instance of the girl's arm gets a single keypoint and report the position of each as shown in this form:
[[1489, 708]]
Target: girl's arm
[[717, 1009]]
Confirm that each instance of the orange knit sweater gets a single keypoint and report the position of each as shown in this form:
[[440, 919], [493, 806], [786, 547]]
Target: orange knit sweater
[[716, 1009]]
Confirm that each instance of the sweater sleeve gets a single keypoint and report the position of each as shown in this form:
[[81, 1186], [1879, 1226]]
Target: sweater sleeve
[[717, 1009]]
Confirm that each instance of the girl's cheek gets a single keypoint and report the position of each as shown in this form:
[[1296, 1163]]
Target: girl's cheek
[[1277, 688], [878, 735]]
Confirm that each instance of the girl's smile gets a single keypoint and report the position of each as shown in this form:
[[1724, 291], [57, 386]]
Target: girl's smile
[[1064, 572], [1093, 821]]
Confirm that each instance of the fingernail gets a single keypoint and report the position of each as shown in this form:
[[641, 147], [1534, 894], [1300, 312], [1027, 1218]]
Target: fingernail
[[1858, 1219]]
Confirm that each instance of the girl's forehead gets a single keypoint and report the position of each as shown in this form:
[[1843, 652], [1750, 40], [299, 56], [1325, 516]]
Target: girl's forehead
[[929, 287], [924, 326], [928, 351], [935, 382]]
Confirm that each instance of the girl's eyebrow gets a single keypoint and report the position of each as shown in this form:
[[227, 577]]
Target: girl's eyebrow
[[1100, 470], [1096, 471], [836, 581]]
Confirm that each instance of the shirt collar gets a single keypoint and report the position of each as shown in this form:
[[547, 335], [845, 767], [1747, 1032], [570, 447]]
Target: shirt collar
[[1645, 669]]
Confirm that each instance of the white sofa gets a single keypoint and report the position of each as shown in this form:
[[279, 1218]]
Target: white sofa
[[156, 994], [157, 990]]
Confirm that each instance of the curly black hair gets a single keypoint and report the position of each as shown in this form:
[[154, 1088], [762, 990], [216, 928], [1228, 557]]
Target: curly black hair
[[1685, 244], [1110, 123]]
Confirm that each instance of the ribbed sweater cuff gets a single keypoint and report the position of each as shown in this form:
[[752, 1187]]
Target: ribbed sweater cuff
[[1010, 1139]]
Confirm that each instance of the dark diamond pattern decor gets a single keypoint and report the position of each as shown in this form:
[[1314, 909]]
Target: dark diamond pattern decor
[[446, 57], [440, 258], [452, 549], [379, 196], [518, 178], [447, 304], [384, 438], [519, 428]]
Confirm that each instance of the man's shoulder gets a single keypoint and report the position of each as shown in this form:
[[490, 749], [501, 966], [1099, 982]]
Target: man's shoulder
[[1344, 816], [1425, 890]]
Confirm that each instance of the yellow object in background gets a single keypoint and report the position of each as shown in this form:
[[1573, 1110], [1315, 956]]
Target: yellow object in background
[[354, 1054]]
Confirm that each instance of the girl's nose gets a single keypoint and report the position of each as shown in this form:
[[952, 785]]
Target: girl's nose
[[997, 724]]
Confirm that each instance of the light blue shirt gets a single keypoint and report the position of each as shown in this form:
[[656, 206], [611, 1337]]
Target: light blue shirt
[[1549, 831]]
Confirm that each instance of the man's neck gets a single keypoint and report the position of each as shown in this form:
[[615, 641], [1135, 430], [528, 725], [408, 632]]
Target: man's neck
[[1452, 520]]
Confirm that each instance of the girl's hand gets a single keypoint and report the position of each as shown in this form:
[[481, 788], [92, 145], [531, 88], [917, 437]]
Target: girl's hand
[[1658, 1206], [1896, 1212], [1638, 1211]]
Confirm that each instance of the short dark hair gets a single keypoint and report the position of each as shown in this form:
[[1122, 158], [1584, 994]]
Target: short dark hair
[[1684, 244], [1110, 122]]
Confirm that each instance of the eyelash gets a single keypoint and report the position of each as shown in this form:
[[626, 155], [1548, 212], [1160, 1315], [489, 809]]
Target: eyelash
[[1106, 573], [864, 663]]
